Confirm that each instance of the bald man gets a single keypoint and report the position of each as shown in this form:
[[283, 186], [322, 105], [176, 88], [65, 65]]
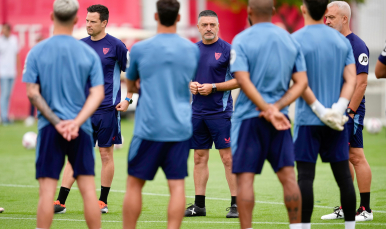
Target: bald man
[[338, 17], [265, 133]]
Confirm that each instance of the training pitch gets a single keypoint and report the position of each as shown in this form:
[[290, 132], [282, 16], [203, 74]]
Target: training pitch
[[19, 190]]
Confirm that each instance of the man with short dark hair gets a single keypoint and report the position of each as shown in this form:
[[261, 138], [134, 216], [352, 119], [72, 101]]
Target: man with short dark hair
[[65, 83], [9, 66], [331, 79], [338, 17], [163, 125], [106, 119], [264, 59], [212, 111]]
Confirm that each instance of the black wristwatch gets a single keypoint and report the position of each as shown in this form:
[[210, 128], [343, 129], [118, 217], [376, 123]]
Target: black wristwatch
[[214, 88], [350, 111], [129, 100]]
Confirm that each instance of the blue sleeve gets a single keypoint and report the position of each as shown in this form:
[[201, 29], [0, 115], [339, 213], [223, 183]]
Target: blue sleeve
[[96, 73], [132, 68], [30, 72], [238, 59], [361, 55], [382, 57], [122, 55], [300, 62]]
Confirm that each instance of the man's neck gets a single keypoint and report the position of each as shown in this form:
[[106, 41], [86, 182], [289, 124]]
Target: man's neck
[[99, 36], [256, 20], [309, 21], [345, 31], [60, 29], [209, 42], [166, 29]]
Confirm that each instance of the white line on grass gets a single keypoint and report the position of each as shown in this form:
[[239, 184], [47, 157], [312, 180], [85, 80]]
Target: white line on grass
[[167, 195], [201, 222]]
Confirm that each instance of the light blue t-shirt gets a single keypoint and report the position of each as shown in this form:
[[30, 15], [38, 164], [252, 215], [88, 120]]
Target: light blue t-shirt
[[165, 64], [271, 56], [65, 69], [326, 52]]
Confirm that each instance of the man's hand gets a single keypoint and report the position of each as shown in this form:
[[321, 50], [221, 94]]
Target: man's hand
[[205, 89], [351, 115], [194, 87], [122, 106], [334, 119], [278, 119], [68, 129]]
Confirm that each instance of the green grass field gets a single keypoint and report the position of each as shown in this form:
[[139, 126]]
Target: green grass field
[[19, 190]]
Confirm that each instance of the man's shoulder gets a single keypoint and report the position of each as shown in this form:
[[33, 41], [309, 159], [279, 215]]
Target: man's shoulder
[[358, 45], [114, 41], [225, 45]]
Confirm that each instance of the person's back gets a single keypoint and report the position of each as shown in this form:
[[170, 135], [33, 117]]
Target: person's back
[[166, 64], [326, 52], [65, 83], [64, 75], [276, 53]]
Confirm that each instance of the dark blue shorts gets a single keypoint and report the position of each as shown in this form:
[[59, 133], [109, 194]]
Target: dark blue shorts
[[107, 128], [313, 140], [52, 148], [355, 130], [145, 157], [207, 131], [255, 140]]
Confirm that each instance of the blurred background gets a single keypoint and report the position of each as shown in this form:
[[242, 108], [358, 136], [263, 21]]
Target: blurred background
[[133, 20]]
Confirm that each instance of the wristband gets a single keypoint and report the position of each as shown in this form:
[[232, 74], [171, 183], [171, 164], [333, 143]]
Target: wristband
[[341, 105], [129, 100], [318, 108]]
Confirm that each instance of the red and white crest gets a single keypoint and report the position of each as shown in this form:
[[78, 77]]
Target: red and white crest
[[217, 55], [105, 50]]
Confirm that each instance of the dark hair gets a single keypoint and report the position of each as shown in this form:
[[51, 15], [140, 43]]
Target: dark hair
[[207, 13], [168, 11], [101, 9], [316, 8]]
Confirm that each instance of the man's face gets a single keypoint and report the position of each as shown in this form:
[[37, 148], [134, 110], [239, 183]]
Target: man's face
[[6, 31], [93, 24], [208, 27], [334, 18]]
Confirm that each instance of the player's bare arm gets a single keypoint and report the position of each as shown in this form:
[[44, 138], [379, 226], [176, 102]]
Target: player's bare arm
[[34, 96], [350, 81], [272, 114], [132, 86], [295, 91], [359, 92], [380, 70], [123, 105], [206, 89]]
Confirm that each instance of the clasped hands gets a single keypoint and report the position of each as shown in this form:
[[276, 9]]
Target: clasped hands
[[69, 129], [202, 89]]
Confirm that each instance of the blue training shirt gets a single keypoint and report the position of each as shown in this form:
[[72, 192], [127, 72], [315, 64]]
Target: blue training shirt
[[213, 68], [271, 56], [65, 69], [165, 64], [382, 57], [113, 54], [327, 53], [361, 55]]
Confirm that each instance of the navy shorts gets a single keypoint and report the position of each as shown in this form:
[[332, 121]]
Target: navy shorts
[[145, 157], [313, 140], [52, 148], [255, 140], [107, 128], [207, 131], [355, 130]]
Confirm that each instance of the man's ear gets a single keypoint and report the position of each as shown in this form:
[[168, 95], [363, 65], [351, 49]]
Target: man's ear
[[178, 18], [156, 16], [52, 16], [76, 20]]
